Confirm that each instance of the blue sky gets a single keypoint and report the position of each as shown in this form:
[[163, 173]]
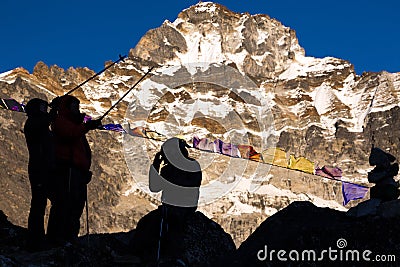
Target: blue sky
[[88, 33]]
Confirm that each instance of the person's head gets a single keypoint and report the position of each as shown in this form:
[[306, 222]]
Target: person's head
[[74, 106], [174, 153], [68, 102], [36, 107], [69, 106], [174, 146], [183, 148]]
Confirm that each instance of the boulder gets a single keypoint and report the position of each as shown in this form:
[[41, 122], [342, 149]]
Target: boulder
[[365, 208], [197, 242], [389, 209], [305, 229]]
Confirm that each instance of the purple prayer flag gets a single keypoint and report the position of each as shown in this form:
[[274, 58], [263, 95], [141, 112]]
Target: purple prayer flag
[[12, 104], [329, 172], [320, 172], [333, 171], [114, 127], [196, 141], [218, 146], [352, 191], [87, 118], [206, 144], [230, 150]]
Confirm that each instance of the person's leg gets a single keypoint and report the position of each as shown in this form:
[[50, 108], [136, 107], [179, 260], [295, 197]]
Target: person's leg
[[36, 215], [77, 210], [57, 224], [78, 200]]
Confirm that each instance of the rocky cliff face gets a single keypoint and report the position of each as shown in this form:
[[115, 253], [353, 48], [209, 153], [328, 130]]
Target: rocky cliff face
[[238, 77]]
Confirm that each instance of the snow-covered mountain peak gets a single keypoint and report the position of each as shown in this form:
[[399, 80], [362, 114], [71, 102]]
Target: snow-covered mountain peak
[[209, 32], [206, 7]]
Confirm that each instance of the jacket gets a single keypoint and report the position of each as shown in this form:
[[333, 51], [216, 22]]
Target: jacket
[[71, 145], [40, 146]]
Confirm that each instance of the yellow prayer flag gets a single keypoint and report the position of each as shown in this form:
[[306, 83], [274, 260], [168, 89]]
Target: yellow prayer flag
[[275, 156], [301, 164]]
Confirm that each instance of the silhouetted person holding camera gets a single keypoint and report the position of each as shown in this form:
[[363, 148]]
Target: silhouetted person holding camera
[[177, 175], [40, 146], [386, 188], [179, 178], [73, 160]]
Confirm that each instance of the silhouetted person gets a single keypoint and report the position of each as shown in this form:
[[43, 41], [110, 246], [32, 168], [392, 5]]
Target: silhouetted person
[[179, 180], [73, 160], [386, 187], [40, 146]]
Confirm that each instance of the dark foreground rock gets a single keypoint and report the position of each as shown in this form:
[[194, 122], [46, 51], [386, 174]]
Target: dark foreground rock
[[304, 228], [299, 235], [200, 242], [95, 250]]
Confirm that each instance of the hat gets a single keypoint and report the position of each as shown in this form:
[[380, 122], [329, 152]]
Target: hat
[[176, 153], [36, 106]]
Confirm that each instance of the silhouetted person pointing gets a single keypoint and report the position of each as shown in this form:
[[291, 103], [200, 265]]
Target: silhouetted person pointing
[[73, 160], [40, 146]]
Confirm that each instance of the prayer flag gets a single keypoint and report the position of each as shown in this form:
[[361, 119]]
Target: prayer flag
[[113, 127], [275, 156], [352, 191], [137, 131], [230, 150], [11, 104], [329, 172], [247, 151], [301, 164]]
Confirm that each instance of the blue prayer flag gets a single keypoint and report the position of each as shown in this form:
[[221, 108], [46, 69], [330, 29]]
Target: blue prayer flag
[[352, 192], [113, 127]]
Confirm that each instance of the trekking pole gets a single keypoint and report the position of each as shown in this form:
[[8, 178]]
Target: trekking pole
[[159, 241], [97, 74], [163, 214], [119, 100], [87, 217]]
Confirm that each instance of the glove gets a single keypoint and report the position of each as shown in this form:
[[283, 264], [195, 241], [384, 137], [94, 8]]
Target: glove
[[82, 117], [93, 124]]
